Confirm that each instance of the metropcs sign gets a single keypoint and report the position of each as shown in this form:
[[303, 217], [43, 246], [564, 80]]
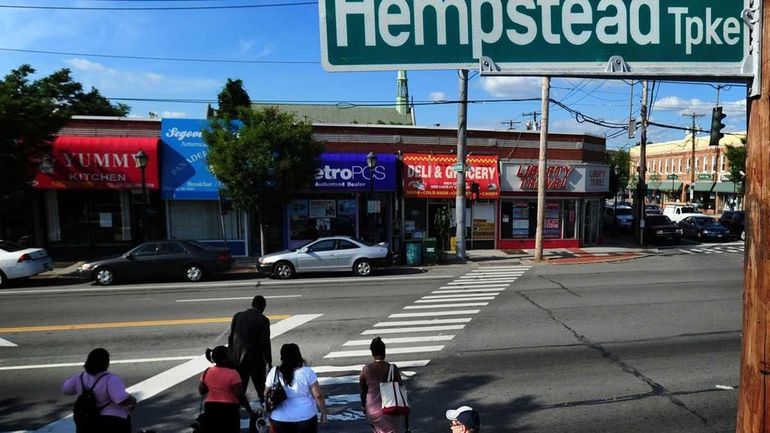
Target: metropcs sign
[[538, 37]]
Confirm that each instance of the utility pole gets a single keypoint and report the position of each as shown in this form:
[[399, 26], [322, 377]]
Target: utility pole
[[534, 115], [641, 186], [541, 168], [462, 124], [692, 172], [511, 124], [753, 397]]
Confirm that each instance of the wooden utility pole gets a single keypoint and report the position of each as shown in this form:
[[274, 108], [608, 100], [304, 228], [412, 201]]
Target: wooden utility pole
[[541, 168], [754, 391], [462, 125], [641, 186], [692, 172]]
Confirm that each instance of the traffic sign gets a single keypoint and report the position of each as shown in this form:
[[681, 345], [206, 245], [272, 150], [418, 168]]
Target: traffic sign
[[705, 176], [457, 167], [672, 177], [527, 37]]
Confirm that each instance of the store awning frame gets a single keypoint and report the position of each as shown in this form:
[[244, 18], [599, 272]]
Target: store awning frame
[[703, 185], [726, 188]]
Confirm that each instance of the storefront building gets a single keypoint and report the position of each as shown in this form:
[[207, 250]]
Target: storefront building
[[90, 194], [574, 197], [347, 198], [190, 192]]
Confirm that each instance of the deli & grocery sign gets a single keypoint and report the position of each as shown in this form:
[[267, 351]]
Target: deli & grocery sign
[[432, 176]]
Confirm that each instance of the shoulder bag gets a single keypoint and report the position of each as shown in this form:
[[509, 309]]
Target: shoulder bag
[[276, 395], [393, 395]]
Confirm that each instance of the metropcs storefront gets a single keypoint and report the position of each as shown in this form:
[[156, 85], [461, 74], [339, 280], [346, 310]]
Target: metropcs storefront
[[574, 196]]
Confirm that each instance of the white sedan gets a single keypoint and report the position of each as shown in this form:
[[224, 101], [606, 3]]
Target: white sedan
[[17, 261]]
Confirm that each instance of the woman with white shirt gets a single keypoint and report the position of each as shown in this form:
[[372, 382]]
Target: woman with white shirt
[[298, 413]]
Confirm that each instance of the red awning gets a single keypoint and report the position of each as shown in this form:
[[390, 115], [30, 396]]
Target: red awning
[[98, 163]]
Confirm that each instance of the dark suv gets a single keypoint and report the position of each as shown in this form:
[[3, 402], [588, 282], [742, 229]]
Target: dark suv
[[733, 220], [659, 229]]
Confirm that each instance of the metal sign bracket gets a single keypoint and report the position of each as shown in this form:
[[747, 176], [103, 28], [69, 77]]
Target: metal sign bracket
[[617, 64], [752, 64]]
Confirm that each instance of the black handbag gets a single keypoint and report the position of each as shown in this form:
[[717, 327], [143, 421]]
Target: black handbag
[[199, 424], [275, 395]]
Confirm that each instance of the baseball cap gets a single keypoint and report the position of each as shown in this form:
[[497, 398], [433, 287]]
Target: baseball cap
[[465, 415]]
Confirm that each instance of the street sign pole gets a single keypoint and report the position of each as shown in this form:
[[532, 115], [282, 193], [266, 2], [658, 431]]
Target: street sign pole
[[641, 187], [541, 168], [462, 124], [754, 389]]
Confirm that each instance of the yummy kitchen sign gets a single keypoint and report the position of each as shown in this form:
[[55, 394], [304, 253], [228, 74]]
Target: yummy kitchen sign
[[431, 176]]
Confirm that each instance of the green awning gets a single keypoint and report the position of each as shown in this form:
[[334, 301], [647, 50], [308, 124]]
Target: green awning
[[665, 185], [725, 187], [703, 186]]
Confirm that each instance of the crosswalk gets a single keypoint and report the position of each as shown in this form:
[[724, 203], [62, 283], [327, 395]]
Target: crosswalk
[[413, 336], [714, 249]]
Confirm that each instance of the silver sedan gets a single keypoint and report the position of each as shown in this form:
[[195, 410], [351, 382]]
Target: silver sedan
[[329, 254]]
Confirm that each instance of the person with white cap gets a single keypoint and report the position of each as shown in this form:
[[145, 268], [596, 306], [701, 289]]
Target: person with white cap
[[464, 420]]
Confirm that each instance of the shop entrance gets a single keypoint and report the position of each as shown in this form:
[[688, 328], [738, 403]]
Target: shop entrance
[[591, 222]]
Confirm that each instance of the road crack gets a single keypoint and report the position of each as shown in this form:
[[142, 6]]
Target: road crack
[[563, 287], [656, 388]]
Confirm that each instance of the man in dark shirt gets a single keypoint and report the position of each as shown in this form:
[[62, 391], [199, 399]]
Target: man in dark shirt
[[249, 342]]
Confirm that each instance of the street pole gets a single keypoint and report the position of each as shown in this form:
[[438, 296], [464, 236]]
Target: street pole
[[144, 206], [641, 187], [541, 167], [462, 124], [692, 171], [754, 398]]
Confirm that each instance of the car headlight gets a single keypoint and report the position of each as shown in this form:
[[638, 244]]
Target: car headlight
[[86, 266], [659, 232], [705, 232], [679, 231]]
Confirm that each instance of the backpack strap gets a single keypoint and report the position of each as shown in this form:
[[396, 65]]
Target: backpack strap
[[83, 386]]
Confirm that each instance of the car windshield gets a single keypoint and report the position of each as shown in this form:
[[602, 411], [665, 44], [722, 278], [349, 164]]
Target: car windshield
[[361, 241], [689, 210], [658, 220], [707, 221], [10, 246], [623, 211], [302, 246]]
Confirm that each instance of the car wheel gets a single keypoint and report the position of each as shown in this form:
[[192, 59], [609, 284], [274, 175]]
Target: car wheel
[[283, 270], [193, 273], [362, 268], [104, 276]]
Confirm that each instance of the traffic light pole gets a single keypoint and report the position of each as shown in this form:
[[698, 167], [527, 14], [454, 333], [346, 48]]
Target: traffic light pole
[[754, 389], [641, 186]]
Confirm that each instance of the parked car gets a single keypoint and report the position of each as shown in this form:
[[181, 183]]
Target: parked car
[[618, 217], [190, 260], [678, 212], [734, 221], [328, 254], [17, 262], [652, 209], [704, 228], [660, 228]]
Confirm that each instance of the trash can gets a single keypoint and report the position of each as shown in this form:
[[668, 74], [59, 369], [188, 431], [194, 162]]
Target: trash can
[[429, 251], [413, 253]]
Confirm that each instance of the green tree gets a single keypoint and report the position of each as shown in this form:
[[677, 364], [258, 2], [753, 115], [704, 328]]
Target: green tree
[[622, 160], [736, 156], [263, 159], [31, 113], [233, 99], [441, 221]]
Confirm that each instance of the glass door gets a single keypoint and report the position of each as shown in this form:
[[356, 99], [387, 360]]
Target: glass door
[[591, 223]]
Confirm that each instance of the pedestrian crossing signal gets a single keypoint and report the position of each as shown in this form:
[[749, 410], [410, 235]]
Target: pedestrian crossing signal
[[474, 192], [716, 126]]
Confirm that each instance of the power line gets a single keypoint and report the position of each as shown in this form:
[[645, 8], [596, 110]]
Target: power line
[[170, 59], [156, 8]]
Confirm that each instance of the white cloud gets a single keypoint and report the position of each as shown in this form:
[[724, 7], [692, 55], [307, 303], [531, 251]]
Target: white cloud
[[698, 106], [437, 96], [511, 87], [166, 114], [114, 80]]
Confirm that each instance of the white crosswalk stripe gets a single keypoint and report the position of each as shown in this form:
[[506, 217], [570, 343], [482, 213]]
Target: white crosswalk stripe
[[415, 330]]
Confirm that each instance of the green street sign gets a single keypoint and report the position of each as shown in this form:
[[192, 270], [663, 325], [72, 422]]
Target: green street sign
[[654, 177], [672, 177], [539, 37], [704, 177]]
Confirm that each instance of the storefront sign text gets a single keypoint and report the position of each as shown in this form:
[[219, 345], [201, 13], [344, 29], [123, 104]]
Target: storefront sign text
[[427, 175], [350, 172], [578, 177], [186, 173], [556, 177]]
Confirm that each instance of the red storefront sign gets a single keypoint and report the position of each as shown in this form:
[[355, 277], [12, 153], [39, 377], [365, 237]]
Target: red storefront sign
[[98, 163], [556, 177], [432, 176]]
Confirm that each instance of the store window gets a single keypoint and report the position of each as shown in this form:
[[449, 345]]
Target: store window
[[313, 218], [95, 218], [207, 224], [415, 219], [519, 219]]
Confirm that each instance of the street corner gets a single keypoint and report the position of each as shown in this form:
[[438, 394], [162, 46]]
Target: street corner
[[579, 257]]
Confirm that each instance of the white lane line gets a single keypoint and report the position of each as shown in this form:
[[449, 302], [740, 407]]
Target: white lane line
[[243, 298], [225, 284], [347, 380], [506, 274], [686, 251], [466, 304], [391, 351], [496, 286], [481, 282], [342, 399], [422, 322], [6, 343], [358, 367], [425, 339], [415, 329], [461, 295], [460, 290], [475, 298], [506, 268], [432, 313], [112, 361], [718, 251], [176, 375]]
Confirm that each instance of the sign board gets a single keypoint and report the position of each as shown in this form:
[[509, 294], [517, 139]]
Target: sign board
[[672, 177], [705, 176], [560, 176], [432, 176], [527, 37]]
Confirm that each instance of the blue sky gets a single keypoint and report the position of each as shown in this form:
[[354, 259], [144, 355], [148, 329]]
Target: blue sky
[[291, 34]]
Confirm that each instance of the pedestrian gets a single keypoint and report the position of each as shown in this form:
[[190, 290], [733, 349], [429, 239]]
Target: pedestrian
[[112, 402], [372, 375], [249, 342], [464, 420], [304, 398], [222, 387]]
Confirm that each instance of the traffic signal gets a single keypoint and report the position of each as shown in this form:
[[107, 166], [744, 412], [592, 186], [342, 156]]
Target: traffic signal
[[474, 191], [716, 126]]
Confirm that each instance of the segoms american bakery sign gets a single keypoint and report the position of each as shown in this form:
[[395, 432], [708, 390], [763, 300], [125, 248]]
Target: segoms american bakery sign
[[541, 37], [435, 176]]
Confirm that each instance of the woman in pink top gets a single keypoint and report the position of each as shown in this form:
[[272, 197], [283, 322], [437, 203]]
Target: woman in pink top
[[111, 397], [222, 387]]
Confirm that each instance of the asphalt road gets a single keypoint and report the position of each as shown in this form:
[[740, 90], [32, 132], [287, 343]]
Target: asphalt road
[[651, 344]]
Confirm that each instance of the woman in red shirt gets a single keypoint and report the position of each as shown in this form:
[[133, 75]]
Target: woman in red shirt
[[222, 387]]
